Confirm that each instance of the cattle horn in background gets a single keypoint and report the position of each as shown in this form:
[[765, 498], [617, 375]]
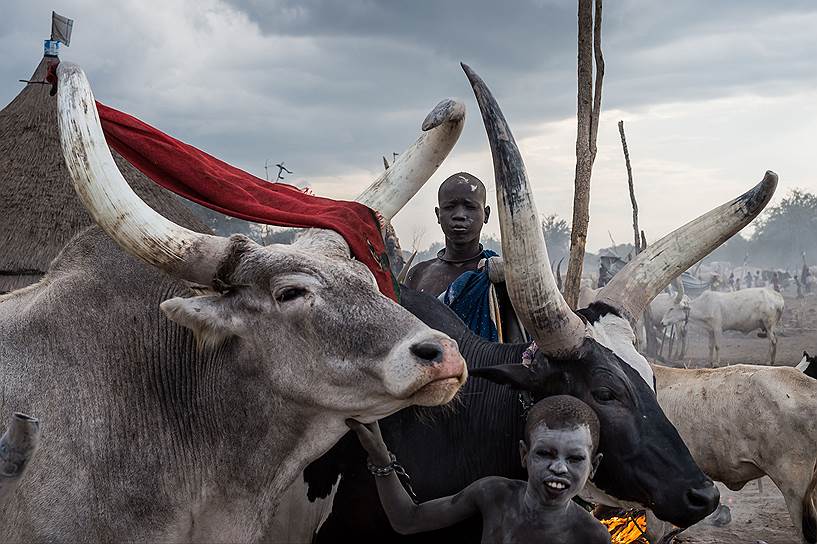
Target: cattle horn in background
[[401, 277], [17, 447], [414, 166], [536, 298], [635, 285]]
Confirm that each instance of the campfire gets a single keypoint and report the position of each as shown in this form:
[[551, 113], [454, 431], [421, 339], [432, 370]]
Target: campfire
[[629, 528]]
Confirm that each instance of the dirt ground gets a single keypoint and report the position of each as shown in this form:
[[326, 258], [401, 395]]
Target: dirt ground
[[756, 516]]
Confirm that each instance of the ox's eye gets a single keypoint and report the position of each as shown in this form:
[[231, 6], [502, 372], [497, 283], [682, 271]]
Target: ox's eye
[[290, 293], [603, 395]]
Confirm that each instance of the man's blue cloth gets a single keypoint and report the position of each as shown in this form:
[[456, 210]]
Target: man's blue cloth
[[469, 297]]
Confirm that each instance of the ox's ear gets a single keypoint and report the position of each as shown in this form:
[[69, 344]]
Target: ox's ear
[[207, 316], [516, 376]]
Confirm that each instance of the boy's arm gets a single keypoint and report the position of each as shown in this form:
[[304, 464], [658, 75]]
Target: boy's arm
[[404, 515]]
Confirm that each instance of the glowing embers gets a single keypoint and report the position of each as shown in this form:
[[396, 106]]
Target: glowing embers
[[628, 528]]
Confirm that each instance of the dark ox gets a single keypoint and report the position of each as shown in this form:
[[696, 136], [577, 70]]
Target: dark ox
[[186, 424], [808, 365], [588, 354]]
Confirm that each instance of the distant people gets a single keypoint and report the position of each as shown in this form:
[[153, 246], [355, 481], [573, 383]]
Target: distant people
[[731, 281], [759, 280], [715, 282], [749, 280], [776, 281], [604, 276], [559, 451], [805, 278], [461, 273], [737, 284]]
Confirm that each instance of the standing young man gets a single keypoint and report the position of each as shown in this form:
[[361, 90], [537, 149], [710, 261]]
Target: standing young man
[[455, 275]]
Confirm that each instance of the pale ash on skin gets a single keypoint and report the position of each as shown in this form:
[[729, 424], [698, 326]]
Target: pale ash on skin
[[559, 462]]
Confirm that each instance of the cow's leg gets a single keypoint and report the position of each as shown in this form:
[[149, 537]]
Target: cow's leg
[[772, 343], [715, 347], [718, 335], [793, 480], [712, 348]]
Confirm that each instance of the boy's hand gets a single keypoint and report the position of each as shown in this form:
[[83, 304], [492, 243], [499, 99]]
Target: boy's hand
[[371, 440]]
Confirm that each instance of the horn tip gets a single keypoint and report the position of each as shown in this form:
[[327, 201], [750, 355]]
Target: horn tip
[[471, 74], [65, 69], [448, 110], [770, 177], [756, 198]]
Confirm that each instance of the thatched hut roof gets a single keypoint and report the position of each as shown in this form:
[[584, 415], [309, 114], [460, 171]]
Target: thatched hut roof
[[39, 211]]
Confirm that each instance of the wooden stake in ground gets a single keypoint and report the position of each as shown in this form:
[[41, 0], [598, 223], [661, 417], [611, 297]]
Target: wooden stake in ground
[[589, 106], [632, 190]]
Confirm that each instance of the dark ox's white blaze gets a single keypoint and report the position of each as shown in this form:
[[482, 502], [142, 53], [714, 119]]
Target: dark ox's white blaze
[[616, 334]]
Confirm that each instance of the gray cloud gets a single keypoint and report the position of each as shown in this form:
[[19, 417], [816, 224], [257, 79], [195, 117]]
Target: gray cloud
[[330, 86]]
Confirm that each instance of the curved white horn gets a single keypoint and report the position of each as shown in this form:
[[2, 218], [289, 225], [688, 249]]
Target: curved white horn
[[136, 227], [395, 187], [636, 284], [531, 285]]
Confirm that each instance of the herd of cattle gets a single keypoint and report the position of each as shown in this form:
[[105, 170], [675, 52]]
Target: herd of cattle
[[190, 385]]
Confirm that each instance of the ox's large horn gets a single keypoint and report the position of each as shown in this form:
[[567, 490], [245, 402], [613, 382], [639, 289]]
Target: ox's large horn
[[531, 285], [636, 284], [114, 206], [414, 166], [17, 447]]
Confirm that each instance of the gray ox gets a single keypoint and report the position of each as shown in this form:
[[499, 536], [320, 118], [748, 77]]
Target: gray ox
[[745, 421], [745, 311], [186, 424]]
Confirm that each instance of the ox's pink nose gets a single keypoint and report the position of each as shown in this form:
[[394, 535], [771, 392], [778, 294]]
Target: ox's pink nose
[[427, 352], [442, 356]]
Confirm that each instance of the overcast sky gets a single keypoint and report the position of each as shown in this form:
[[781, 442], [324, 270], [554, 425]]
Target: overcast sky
[[712, 93]]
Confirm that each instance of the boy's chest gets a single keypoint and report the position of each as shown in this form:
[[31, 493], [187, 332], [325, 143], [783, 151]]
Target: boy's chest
[[503, 526], [437, 277]]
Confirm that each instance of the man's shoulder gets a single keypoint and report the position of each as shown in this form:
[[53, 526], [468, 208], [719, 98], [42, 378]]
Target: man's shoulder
[[421, 266], [495, 488], [416, 272]]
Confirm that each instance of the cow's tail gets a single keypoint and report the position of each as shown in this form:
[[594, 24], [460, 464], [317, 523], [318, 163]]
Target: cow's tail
[[809, 511]]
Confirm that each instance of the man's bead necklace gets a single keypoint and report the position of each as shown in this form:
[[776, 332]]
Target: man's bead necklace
[[441, 253]]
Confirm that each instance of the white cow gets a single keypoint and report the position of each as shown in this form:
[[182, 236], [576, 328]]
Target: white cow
[[745, 421], [744, 311], [659, 307]]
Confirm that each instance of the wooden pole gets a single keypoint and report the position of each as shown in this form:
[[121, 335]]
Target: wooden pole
[[587, 115], [636, 237]]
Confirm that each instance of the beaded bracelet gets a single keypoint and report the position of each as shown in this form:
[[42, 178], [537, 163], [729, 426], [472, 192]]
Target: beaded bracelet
[[398, 469], [384, 470]]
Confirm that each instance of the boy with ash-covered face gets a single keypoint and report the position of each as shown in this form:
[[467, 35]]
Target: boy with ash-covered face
[[560, 454], [461, 213]]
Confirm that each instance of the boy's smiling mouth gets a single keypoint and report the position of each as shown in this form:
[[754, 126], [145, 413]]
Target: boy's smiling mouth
[[556, 485]]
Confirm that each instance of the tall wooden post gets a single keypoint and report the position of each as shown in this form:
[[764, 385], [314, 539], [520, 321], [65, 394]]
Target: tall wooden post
[[588, 108]]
